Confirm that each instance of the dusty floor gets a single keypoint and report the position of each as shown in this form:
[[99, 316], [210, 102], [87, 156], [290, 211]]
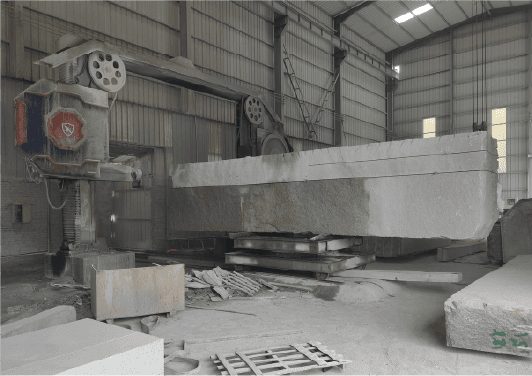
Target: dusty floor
[[379, 333]]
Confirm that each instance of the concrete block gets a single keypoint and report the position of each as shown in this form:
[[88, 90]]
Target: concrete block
[[433, 188], [137, 292], [461, 249], [51, 317], [516, 230], [82, 263], [494, 313], [84, 347]]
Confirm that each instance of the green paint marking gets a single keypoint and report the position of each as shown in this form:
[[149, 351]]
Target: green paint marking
[[496, 333], [521, 335], [514, 341], [499, 342]]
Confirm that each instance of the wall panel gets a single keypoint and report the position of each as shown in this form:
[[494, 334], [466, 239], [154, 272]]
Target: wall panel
[[506, 66]]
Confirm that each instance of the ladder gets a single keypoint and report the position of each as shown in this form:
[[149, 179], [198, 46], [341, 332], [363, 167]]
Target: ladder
[[298, 93], [319, 111]]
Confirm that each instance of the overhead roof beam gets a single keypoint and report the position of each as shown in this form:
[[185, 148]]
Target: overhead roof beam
[[348, 13], [462, 9], [378, 30], [491, 14]]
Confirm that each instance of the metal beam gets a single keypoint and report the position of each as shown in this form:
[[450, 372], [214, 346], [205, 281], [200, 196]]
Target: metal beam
[[280, 25], [348, 13], [492, 14], [344, 44], [441, 16], [462, 9]]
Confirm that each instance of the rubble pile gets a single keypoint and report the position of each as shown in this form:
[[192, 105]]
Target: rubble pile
[[226, 284]]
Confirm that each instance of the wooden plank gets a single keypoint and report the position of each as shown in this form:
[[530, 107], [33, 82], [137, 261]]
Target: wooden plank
[[402, 275], [459, 250], [249, 363]]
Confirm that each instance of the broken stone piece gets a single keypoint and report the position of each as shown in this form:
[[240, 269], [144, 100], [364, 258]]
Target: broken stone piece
[[223, 292], [211, 278]]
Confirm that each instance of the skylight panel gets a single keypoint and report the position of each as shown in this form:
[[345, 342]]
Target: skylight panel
[[422, 9], [404, 17]]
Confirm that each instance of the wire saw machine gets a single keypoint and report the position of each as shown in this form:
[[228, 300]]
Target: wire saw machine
[[62, 131]]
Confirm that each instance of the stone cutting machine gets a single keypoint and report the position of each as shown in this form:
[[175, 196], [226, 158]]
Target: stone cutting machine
[[62, 128]]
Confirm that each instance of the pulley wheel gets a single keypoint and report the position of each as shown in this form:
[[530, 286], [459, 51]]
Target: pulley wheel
[[107, 71], [254, 110]]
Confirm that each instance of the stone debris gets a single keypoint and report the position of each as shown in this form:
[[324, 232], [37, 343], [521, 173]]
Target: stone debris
[[226, 284]]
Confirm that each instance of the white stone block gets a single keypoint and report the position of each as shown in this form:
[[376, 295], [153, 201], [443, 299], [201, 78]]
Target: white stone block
[[84, 347]]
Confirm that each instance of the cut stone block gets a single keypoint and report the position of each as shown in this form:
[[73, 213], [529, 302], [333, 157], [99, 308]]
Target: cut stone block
[[516, 230], [443, 187], [137, 292], [494, 313], [79, 265], [454, 251], [395, 247], [51, 317], [82, 263], [84, 347]]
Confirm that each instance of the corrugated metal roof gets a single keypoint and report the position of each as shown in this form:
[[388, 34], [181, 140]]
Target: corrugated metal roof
[[360, 26], [381, 18]]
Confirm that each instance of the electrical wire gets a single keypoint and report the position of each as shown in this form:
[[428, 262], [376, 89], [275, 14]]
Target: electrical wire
[[48, 197]]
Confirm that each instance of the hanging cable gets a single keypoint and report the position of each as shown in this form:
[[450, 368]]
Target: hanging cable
[[482, 69], [48, 197], [476, 50], [486, 69], [472, 69]]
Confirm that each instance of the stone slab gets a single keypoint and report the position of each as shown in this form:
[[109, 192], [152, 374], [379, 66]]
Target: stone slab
[[494, 313], [516, 230], [84, 347], [82, 263], [447, 154], [460, 205], [454, 251], [396, 247], [137, 292], [51, 317]]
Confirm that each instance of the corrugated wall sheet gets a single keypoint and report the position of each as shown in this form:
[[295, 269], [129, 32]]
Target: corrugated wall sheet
[[234, 40], [424, 88]]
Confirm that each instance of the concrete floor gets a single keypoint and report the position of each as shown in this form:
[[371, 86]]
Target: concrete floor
[[379, 333]]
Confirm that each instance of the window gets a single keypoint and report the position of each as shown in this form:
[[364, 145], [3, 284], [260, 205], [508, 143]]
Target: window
[[215, 142], [498, 132], [429, 127], [397, 68], [417, 11]]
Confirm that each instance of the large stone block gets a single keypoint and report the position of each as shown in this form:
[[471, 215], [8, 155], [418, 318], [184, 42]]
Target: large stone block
[[424, 188], [51, 317], [494, 313], [84, 347], [137, 292], [516, 230]]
